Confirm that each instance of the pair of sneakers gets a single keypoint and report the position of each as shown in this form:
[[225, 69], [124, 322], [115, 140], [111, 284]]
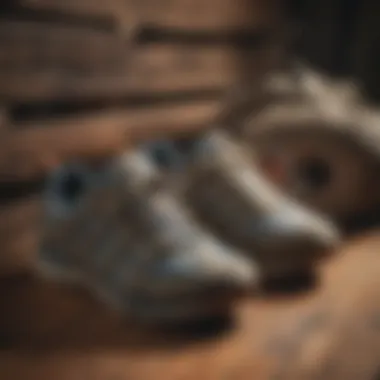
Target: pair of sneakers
[[176, 231]]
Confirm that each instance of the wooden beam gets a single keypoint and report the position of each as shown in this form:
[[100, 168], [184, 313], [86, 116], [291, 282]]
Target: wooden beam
[[212, 15], [41, 63], [34, 148]]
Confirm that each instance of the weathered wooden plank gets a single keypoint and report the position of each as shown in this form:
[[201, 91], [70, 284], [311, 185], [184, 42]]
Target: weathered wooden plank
[[208, 15], [212, 15], [175, 67], [95, 8], [34, 47], [151, 71], [47, 63], [38, 147]]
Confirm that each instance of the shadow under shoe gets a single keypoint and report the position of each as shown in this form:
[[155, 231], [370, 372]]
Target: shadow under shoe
[[194, 281]]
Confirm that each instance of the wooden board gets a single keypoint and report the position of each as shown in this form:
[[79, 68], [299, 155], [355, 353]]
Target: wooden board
[[213, 15], [113, 11], [330, 333], [32, 46], [40, 63], [37, 147], [53, 50], [49, 63]]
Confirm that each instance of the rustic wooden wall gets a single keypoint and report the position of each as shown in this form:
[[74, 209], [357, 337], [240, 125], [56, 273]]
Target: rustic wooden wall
[[76, 75]]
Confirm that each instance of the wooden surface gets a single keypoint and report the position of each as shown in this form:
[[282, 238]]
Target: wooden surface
[[332, 332]]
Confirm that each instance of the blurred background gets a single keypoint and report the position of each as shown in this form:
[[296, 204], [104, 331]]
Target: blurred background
[[85, 79]]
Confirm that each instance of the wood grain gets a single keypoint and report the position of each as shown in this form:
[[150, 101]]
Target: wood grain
[[37, 147], [28, 74], [212, 15], [112, 10], [32, 46], [329, 333]]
